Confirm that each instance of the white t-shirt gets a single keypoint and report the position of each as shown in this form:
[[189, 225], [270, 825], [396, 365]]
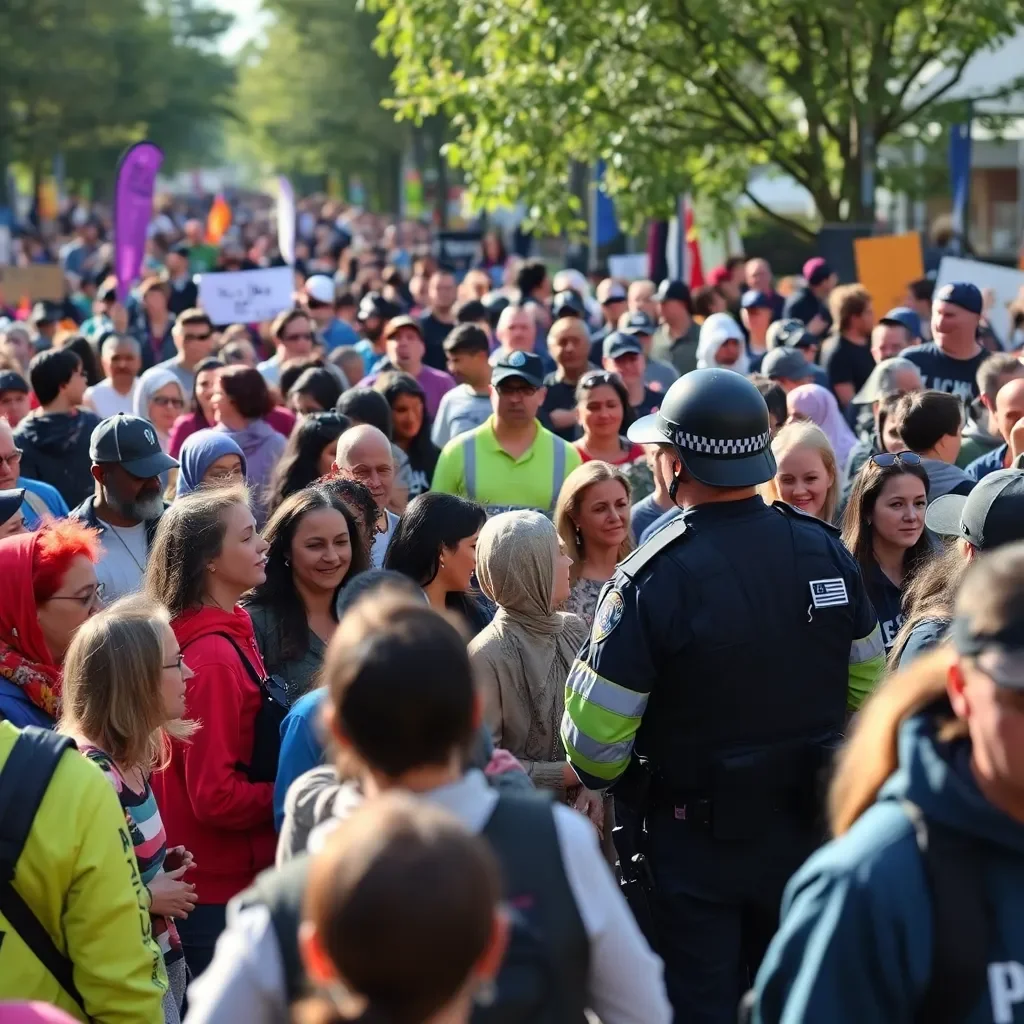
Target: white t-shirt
[[108, 402], [123, 561], [381, 541]]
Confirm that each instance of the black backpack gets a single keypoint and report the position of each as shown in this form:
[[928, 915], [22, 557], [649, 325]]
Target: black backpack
[[961, 923], [24, 779], [535, 985]]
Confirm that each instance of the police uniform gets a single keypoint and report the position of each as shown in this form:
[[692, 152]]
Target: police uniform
[[713, 690]]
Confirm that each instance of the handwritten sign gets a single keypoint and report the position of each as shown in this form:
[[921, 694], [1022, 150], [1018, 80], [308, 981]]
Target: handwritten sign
[[246, 296]]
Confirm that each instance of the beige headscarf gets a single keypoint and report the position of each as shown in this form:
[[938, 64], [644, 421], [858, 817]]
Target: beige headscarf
[[523, 657]]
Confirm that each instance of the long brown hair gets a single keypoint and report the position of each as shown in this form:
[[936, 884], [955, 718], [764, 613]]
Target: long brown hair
[[402, 950], [112, 692]]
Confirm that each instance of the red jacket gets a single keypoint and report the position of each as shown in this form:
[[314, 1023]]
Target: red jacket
[[207, 804]]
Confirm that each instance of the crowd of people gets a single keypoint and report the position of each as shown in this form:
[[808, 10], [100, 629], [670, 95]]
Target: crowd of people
[[479, 646]]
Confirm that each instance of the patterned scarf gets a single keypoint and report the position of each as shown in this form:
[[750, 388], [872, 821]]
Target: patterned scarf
[[40, 683]]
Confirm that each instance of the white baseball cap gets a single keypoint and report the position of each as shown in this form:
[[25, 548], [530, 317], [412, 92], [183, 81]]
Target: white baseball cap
[[320, 288]]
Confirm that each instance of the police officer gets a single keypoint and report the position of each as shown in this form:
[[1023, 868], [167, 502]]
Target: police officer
[[713, 689]]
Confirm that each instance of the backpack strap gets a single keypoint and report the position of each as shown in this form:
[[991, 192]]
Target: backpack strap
[[961, 920], [24, 780], [247, 664]]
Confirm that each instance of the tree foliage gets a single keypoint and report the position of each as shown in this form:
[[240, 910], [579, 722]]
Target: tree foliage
[[309, 96], [677, 94]]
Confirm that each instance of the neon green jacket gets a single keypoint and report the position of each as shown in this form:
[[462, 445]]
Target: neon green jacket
[[79, 875]]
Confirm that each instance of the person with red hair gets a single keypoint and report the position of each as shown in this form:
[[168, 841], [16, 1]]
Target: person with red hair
[[50, 589]]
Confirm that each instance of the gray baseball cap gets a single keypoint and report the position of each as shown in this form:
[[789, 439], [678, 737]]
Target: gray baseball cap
[[131, 442], [786, 362], [992, 514]]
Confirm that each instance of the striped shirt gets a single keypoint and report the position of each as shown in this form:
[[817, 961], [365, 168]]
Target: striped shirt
[[148, 837]]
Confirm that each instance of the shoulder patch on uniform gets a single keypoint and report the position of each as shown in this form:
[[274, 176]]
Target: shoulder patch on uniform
[[829, 593], [608, 615], [806, 517], [665, 537]]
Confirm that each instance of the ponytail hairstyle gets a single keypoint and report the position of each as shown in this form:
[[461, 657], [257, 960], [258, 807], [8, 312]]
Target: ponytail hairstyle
[[386, 948], [990, 599]]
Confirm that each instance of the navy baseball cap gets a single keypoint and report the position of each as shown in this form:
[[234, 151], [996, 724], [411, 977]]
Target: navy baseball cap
[[673, 291], [639, 324], [12, 381], [904, 316], [785, 362], [10, 502], [992, 514], [131, 442], [963, 294], [525, 365], [568, 303], [755, 300], [619, 343], [816, 270]]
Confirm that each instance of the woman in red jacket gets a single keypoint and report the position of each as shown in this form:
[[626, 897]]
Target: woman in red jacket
[[206, 554]]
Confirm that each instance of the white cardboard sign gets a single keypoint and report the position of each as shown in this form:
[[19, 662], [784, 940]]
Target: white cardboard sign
[[246, 296]]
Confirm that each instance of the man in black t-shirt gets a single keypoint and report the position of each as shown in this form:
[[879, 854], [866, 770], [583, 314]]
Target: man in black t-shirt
[[808, 304], [439, 320], [847, 356], [950, 362], [569, 346]]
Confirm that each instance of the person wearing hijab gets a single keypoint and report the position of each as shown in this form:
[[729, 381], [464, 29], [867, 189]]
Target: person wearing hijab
[[817, 404], [12, 520], [51, 589], [160, 399], [209, 457], [522, 658], [722, 345]]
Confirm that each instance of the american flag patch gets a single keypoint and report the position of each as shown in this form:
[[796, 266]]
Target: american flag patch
[[828, 593]]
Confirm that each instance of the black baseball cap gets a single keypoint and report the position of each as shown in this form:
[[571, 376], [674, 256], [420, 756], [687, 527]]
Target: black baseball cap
[[639, 325], [992, 514], [131, 442], [10, 502], [12, 381], [525, 365], [790, 333], [673, 291], [568, 303], [44, 313], [374, 304], [619, 343], [963, 294]]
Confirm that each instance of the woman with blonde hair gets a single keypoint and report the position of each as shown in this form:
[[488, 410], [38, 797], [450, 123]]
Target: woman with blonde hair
[[806, 476], [927, 809], [592, 518], [124, 694]]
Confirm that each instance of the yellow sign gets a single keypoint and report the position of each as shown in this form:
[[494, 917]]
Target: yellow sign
[[886, 265], [40, 281]]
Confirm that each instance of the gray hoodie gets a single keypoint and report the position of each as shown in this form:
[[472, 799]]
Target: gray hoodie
[[945, 478]]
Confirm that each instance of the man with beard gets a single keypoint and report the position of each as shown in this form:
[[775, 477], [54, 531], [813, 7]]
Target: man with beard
[[126, 505]]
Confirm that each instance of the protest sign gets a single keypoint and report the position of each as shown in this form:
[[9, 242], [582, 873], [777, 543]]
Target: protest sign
[[1005, 284], [457, 250], [886, 264], [246, 296], [37, 282], [286, 220], [631, 267]]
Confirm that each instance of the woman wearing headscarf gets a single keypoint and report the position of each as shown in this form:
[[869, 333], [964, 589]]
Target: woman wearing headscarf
[[522, 658], [211, 458], [817, 404], [160, 399], [722, 345]]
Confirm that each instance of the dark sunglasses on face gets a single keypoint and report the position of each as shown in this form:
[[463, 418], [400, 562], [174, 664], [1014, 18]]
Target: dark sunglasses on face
[[198, 337], [885, 460], [168, 403]]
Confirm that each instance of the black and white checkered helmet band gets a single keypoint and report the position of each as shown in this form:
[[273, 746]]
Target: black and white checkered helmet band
[[703, 445]]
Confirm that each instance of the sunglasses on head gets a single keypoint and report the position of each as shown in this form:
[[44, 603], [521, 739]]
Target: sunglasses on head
[[597, 377], [885, 460]]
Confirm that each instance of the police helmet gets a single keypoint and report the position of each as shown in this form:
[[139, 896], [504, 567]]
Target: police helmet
[[717, 422]]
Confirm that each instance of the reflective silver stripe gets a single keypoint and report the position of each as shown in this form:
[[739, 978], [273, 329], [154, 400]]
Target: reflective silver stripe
[[602, 693], [872, 646], [591, 749], [558, 476], [469, 464]]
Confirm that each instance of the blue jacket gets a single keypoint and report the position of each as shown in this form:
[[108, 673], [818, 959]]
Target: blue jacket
[[17, 709], [855, 943], [43, 495], [987, 463]]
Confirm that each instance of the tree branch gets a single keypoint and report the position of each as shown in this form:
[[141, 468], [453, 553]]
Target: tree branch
[[793, 225]]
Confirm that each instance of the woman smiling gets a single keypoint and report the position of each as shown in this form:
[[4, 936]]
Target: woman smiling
[[806, 475]]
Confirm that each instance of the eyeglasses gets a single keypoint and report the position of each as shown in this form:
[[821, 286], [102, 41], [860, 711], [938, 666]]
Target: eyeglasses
[[886, 460], [94, 596], [526, 391], [178, 662], [13, 459], [198, 337], [166, 402]]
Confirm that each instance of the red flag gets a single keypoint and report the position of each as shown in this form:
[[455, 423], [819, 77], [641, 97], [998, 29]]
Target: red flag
[[693, 261]]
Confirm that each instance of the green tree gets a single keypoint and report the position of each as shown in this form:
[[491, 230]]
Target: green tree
[[85, 79], [309, 97], [678, 94]]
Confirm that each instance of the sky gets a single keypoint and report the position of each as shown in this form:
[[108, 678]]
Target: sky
[[248, 22]]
